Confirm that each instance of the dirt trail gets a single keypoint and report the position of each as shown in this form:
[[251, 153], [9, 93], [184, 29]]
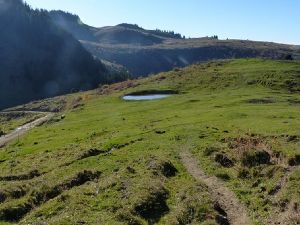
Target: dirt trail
[[236, 212], [21, 111], [290, 213], [23, 129]]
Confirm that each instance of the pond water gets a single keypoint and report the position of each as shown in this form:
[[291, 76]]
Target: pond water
[[144, 97]]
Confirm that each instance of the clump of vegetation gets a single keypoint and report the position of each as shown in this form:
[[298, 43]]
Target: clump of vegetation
[[92, 152], [169, 34], [252, 146], [2, 133], [223, 176], [208, 151], [261, 101], [256, 158], [154, 206], [224, 160], [294, 161], [287, 57], [166, 168], [190, 210]]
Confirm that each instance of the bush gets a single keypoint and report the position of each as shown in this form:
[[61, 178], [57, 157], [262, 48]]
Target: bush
[[256, 158]]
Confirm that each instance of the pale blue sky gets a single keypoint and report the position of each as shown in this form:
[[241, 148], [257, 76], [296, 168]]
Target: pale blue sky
[[265, 20]]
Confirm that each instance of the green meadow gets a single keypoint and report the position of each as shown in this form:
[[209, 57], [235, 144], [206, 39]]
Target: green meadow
[[110, 161]]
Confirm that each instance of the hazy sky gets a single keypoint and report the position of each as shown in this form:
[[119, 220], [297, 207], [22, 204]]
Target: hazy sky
[[266, 20]]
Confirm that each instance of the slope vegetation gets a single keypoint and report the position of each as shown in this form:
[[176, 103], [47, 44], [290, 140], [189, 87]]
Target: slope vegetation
[[232, 128]]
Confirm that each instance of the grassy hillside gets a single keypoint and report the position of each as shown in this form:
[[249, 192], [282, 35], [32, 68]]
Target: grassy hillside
[[108, 161]]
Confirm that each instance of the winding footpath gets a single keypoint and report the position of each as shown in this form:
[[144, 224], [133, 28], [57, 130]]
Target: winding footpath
[[235, 210], [24, 129]]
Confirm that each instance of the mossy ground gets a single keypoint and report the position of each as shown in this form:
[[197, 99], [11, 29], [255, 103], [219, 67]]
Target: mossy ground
[[217, 103]]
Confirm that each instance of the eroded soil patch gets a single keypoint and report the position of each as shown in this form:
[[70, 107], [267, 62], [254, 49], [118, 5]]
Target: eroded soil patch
[[295, 161], [16, 213], [13, 193], [221, 218], [154, 206], [166, 168], [268, 100], [28, 176], [91, 153]]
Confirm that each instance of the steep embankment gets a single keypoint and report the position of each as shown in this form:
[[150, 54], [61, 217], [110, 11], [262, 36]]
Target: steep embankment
[[38, 59], [116, 162]]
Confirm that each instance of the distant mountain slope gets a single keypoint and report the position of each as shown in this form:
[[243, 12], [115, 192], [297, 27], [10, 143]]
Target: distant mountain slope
[[143, 60], [38, 59], [73, 25], [120, 34], [144, 52]]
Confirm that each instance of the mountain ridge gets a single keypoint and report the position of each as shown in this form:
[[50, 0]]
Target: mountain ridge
[[144, 51]]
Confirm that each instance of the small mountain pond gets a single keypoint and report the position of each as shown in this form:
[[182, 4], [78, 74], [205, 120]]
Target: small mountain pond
[[148, 95]]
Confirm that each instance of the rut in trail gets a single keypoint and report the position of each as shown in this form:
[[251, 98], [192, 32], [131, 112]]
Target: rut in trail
[[236, 211]]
